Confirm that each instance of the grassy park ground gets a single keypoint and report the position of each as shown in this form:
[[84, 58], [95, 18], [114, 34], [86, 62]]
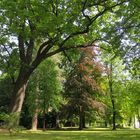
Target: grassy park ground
[[95, 134]]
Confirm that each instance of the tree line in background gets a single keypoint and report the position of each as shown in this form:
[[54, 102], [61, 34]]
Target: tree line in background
[[90, 91], [93, 81]]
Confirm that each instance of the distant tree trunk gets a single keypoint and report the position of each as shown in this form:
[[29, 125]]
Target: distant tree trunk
[[81, 118], [57, 121], [105, 123], [112, 98], [35, 120], [130, 121], [84, 120], [35, 116], [44, 114], [90, 124], [138, 118], [134, 121], [114, 115], [44, 121]]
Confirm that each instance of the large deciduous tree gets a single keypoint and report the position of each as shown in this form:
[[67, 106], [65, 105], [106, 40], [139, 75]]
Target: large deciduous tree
[[44, 28]]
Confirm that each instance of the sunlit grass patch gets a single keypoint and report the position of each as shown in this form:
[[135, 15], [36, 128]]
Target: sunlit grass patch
[[97, 134]]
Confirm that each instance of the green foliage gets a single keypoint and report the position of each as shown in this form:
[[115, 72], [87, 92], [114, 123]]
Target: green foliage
[[44, 90], [5, 92], [10, 122], [125, 90]]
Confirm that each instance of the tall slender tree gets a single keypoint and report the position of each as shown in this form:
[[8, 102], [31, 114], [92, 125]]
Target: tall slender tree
[[44, 91]]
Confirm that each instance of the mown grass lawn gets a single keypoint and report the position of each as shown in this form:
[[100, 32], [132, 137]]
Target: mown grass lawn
[[74, 135]]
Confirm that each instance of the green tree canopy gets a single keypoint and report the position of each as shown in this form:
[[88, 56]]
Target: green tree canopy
[[35, 30]]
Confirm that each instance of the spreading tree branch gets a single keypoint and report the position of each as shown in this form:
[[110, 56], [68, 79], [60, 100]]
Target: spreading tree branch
[[45, 47]]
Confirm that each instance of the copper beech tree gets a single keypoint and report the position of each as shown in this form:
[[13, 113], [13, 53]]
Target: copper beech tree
[[82, 86]]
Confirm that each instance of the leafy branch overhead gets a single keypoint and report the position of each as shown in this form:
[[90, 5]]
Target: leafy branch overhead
[[51, 27]]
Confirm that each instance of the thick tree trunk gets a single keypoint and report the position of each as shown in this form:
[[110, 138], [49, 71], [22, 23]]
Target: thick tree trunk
[[18, 94], [18, 98], [17, 101]]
